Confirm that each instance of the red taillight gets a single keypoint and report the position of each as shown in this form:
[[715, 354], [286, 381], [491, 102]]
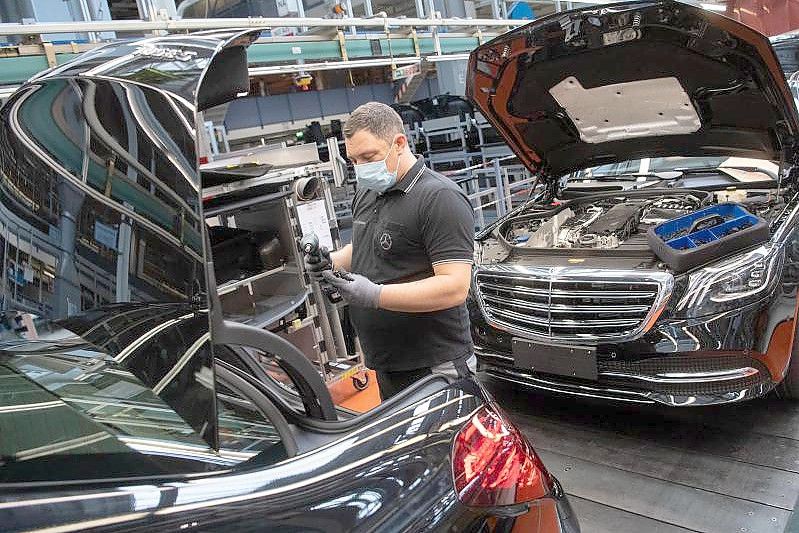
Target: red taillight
[[203, 159], [493, 464]]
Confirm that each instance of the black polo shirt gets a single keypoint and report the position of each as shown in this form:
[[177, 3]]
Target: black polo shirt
[[423, 220]]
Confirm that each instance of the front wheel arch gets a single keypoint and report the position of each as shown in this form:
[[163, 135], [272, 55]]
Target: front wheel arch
[[788, 388]]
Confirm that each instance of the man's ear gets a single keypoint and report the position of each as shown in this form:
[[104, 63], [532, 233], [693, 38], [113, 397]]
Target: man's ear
[[401, 141]]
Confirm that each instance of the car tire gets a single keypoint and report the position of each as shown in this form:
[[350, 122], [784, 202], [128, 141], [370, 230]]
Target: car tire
[[788, 389]]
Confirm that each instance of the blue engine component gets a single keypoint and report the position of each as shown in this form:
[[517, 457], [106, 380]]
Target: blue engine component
[[705, 235]]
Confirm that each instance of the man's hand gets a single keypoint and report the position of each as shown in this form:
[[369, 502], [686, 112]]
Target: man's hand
[[315, 265], [355, 289]]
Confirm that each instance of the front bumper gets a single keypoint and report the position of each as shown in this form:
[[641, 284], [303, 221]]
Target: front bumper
[[674, 381]]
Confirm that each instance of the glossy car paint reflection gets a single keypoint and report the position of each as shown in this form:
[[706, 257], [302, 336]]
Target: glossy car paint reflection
[[102, 239], [101, 206], [70, 410], [66, 388], [372, 469]]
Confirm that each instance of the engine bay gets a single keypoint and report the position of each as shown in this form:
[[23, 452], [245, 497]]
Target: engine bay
[[608, 221]]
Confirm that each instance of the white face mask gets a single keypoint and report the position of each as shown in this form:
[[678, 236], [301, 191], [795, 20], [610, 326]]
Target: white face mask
[[375, 175]]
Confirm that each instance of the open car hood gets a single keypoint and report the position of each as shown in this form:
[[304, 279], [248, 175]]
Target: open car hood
[[632, 80]]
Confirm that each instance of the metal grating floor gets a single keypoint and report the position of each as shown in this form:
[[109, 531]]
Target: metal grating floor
[[643, 469]]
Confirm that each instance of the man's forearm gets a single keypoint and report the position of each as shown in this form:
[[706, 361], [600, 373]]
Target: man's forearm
[[342, 259], [430, 294]]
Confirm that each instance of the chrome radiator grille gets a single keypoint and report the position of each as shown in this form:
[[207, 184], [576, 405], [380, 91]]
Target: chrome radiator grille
[[570, 304]]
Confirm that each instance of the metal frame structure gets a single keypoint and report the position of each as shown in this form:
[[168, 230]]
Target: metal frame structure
[[426, 37], [329, 350], [183, 25], [329, 44], [494, 189], [453, 129]]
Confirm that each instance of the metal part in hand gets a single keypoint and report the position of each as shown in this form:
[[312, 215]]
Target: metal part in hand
[[355, 289], [317, 261]]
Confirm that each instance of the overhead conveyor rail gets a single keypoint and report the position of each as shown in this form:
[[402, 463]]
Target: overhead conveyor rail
[[178, 25], [329, 43]]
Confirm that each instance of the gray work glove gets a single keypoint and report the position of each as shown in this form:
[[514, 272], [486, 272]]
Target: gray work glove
[[355, 289], [316, 265]]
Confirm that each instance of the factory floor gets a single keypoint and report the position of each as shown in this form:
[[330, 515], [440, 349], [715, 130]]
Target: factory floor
[[643, 469], [646, 469]]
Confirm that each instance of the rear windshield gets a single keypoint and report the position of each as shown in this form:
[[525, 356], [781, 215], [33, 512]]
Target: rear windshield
[[77, 415], [79, 406]]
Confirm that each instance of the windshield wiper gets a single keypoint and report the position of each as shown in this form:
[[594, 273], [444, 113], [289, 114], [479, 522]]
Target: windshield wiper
[[700, 170], [633, 176], [710, 170], [611, 177]]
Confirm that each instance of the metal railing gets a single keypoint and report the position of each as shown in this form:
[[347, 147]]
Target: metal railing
[[504, 184], [328, 44], [183, 25]]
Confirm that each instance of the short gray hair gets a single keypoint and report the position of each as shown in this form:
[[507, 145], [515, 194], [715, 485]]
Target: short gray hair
[[376, 118]]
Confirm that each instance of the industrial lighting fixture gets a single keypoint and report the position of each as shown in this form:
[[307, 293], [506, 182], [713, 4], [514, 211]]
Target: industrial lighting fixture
[[327, 65], [447, 57], [714, 7], [332, 65]]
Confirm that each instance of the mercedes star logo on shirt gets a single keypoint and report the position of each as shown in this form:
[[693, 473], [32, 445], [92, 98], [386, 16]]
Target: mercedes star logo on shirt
[[385, 241]]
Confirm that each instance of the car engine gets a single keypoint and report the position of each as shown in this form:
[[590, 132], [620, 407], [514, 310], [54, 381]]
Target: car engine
[[604, 223]]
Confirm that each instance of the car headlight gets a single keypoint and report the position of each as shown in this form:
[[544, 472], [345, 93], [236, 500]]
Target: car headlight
[[732, 283]]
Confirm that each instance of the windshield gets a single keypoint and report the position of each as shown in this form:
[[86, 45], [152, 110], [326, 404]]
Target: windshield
[[793, 83], [672, 164]]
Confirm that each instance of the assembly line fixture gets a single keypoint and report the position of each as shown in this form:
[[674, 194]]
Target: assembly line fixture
[[286, 202], [379, 41]]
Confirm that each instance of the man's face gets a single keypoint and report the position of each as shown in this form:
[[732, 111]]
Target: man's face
[[363, 147]]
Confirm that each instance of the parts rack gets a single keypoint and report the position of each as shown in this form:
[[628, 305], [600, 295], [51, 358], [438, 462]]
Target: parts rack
[[257, 204]]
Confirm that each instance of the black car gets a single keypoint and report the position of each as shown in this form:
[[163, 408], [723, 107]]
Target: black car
[[656, 263], [127, 401]]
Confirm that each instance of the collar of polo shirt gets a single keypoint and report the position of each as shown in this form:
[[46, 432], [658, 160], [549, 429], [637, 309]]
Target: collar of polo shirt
[[410, 177]]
